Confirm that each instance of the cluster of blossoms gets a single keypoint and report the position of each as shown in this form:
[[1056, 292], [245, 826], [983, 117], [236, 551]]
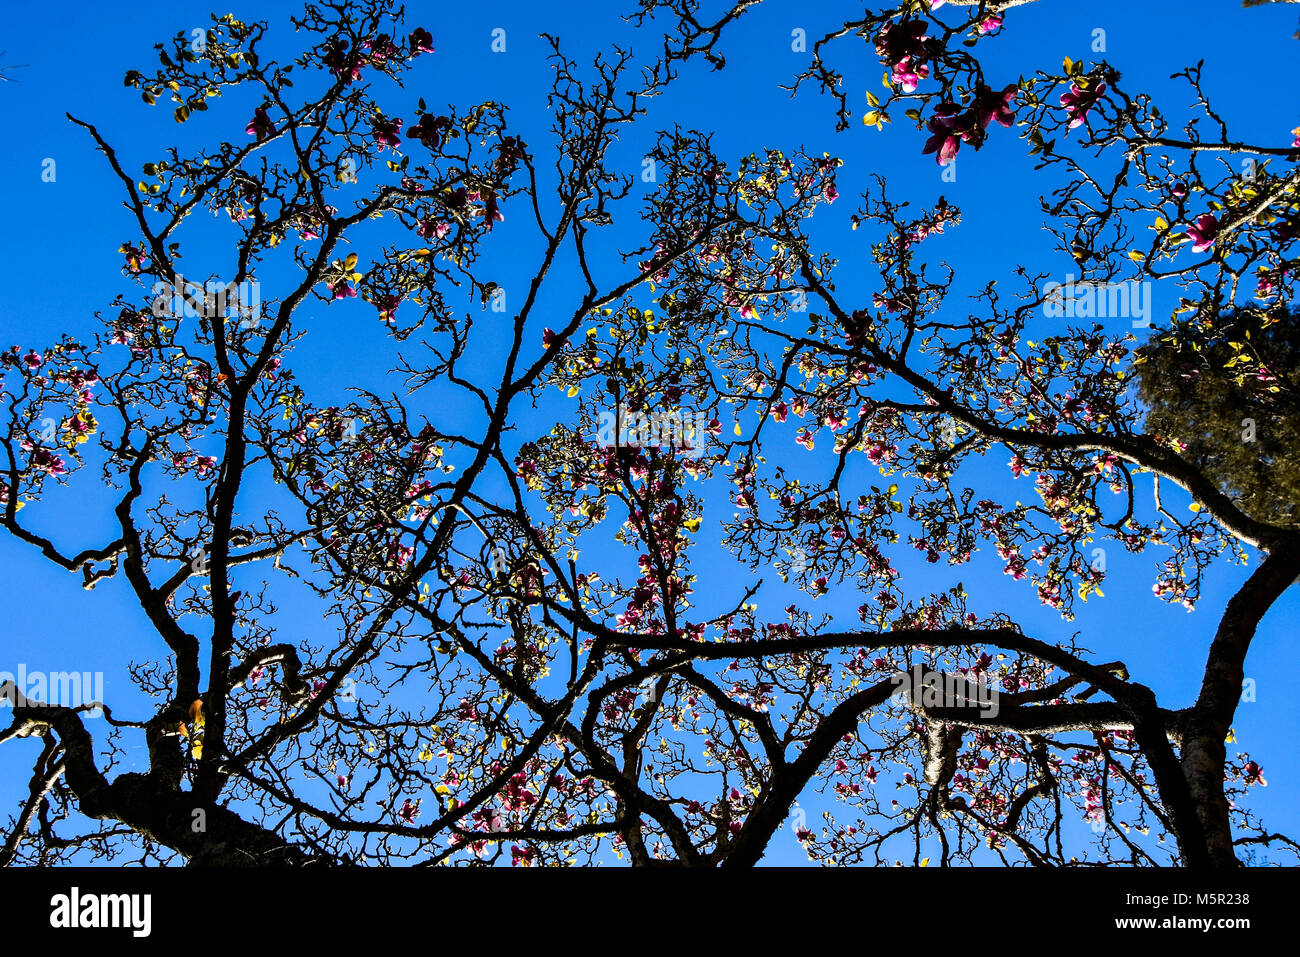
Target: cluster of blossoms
[[904, 47], [129, 327], [308, 219], [931, 224], [346, 63], [1171, 586], [951, 125]]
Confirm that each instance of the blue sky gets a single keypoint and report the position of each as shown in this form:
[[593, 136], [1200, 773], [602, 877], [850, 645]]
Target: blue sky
[[61, 263]]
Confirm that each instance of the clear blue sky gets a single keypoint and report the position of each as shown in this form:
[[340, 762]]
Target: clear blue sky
[[59, 252]]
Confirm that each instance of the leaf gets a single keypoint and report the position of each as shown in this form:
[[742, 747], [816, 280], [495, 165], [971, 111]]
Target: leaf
[[1067, 65], [692, 525], [872, 99], [350, 263], [1136, 255], [925, 862], [1195, 506], [737, 428]]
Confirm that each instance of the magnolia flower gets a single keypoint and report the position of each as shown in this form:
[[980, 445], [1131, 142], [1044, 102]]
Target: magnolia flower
[[421, 41], [907, 73], [944, 139], [1203, 232], [1252, 773], [341, 63], [387, 306], [989, 24], [1078, 101], [990, 106], [432, 229], [48, 462], [386, 132], [260, 125], [430, 129]]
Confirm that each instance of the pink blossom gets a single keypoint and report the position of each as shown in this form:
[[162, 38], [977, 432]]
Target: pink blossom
[[1252, 773], [907, 73], [1203, 232], [1079, 101], [260, 125], [386, 132], [421, 41], [944, 139]]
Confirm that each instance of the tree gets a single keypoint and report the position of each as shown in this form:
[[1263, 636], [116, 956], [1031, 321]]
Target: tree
[[1228, 393], [521, 658]]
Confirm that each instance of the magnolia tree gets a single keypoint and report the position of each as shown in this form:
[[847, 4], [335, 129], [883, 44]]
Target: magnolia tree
[[526, 651]]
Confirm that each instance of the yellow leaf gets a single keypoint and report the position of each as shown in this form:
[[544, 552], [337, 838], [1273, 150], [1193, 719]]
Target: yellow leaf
[[692, 525], [574, 390], [1195, 506], [925, 862], [737, 429], [350, 263]]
